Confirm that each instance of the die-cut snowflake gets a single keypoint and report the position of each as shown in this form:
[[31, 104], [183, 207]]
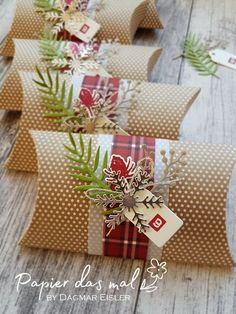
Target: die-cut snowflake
[[79, 58], [65, 11], [127, 181]]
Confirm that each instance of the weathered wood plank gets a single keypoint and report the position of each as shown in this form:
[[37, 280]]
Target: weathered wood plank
[[9, 123], [213, 117], [175, 17], [192, 289], [6, 18]]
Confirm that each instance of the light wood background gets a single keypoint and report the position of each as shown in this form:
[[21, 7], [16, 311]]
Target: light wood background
[[212, 118]]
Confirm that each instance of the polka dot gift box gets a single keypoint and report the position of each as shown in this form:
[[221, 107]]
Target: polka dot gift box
[[141, 108], [65, 219], [117, 19], [130, 62]]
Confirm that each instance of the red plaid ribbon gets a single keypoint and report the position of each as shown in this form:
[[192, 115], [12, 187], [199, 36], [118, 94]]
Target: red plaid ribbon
[[65, 35], [125, 241], [98, 83]]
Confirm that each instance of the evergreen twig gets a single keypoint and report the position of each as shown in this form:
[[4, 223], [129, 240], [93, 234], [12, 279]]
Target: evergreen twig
[[198, 56]]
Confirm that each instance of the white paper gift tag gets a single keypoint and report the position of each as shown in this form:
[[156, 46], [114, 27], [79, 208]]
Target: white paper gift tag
[[82, 27], [223, 57], [162, 222]]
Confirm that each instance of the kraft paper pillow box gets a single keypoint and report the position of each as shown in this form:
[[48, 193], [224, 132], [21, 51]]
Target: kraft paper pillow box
[[142, 108], [130, 62], [118, 19], [64, 219]]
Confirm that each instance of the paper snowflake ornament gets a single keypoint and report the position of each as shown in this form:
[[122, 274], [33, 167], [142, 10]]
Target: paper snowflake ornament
[[126, 180], [79, 58]]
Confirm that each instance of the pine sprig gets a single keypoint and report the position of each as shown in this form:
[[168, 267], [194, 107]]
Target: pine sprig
[[85, 166], [198, 56], [54, 96], [51, 48]]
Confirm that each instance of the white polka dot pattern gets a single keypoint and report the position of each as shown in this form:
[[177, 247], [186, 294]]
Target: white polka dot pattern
[[200, 201], [95, 227], [121, 64], [160, 110], [61, 219], [23, 156], [123, 21], [26, 58], [171, 103], [151, 19], [133, 62], [153, 250]]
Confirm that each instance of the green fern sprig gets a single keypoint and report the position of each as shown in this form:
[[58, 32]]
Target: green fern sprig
[[54, 96], [198, 56], [51, 48], [85, 166], [44, 6]]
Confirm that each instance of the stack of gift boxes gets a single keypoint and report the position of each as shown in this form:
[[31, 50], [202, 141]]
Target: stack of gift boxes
[[113, 178]]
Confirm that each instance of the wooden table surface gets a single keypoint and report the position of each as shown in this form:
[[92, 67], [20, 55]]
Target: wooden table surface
[[212, 118]]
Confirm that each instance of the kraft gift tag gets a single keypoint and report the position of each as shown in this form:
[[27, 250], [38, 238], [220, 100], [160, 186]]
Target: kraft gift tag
[[83, 27]]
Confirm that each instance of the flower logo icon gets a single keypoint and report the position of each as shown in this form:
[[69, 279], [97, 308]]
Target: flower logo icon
[[157, 270]]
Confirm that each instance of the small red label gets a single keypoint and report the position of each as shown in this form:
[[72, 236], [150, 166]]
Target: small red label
[[157, 222], [84, 28], [232, 60]]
